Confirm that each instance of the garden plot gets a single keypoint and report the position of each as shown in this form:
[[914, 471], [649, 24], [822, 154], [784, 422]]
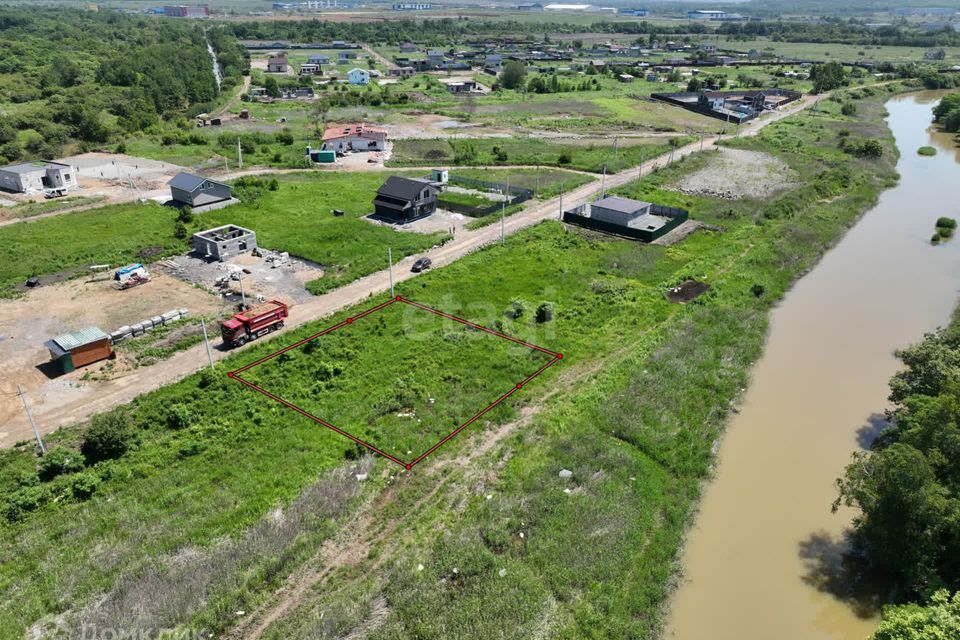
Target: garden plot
[[737, 173], [399, 379]]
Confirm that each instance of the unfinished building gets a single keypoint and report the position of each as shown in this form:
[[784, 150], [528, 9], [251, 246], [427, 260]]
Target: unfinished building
[[224, 242]]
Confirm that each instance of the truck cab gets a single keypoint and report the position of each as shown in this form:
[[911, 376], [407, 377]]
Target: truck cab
[[233, 332]]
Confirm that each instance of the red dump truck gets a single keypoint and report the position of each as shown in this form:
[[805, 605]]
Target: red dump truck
[[253, 323]]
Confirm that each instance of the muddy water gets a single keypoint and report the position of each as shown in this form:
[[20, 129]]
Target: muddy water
[[762, 559]]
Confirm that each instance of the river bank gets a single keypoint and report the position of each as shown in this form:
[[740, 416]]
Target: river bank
[[766, 556]]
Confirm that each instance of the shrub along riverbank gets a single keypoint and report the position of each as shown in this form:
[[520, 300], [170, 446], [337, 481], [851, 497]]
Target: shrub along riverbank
[[174, 520]]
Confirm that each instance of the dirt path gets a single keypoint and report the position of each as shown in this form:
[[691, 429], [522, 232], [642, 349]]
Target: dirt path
[[235, 99], [376, 55], [99, 397]]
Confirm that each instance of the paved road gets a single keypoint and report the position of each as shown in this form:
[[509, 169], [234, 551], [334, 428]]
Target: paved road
[[97, 397]]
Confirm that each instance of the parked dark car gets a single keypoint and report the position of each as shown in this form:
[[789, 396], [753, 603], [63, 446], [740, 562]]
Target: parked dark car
[[421, 265]]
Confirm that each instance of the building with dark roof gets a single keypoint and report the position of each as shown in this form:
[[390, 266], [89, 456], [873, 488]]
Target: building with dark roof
[[403, 200], [197, 191]]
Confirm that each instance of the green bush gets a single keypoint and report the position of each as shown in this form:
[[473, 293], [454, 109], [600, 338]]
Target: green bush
[[25, 500], [545, 312], [108, 437], [943, 222], [848, 109], [84, 485], [516, 309], [927, 151], [58, 462]]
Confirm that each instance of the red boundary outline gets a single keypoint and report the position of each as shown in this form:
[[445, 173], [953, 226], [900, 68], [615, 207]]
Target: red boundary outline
[[235, 374]]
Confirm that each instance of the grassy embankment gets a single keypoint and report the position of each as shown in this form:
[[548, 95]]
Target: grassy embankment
[[633, 411], [295, 218]]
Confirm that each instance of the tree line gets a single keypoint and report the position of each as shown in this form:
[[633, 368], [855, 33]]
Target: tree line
[[907, 492], [90, 77]]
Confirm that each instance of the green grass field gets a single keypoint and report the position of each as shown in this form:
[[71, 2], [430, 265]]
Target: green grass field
[[592, 156], [840, 52], [209, 510], [295, 218]]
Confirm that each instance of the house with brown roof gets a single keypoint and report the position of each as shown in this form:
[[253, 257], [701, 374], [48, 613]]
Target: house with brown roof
[[353, 137]]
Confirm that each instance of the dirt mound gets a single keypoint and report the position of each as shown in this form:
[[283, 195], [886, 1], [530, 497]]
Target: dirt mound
[[736, 173], [687, 291]]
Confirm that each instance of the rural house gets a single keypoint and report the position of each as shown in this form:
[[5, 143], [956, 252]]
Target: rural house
[[625, 217], [319, 59], [277, 64], [934, 54], [309, 69], [197, 191], [408, 47], [405, 199], [346, 56], [353, 137], [30, 177], [358, 76]]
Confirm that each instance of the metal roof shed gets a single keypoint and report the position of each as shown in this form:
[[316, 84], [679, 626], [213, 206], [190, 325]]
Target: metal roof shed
[[79, 348]]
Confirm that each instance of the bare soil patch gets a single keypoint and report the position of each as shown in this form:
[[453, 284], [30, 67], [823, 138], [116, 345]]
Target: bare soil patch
[[736, 173], [49, 310], [687, 291]]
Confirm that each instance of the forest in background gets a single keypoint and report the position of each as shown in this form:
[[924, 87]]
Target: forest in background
[[83, 78]]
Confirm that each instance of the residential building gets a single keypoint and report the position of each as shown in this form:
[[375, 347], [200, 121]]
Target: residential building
[[408, 47], [625, 217], [197, 191], [412, 6], [319, 59], [358, 76], [401, 72], [493, 62], [706, 14], [707, 47], [403, 200], [530, 6], [346, 56], [462, 86], [309, 69], [277, 64], [183, 11], [353, 137], [223, 242], [633, 12], [934, 54], [33, 177]]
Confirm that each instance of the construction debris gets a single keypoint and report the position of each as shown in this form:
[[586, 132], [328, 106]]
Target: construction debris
[[138, 329]]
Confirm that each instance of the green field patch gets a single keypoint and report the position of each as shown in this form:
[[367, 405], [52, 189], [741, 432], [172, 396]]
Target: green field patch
[[401, 378]]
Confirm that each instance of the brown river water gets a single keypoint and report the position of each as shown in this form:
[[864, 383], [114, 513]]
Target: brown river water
[[762, 561]]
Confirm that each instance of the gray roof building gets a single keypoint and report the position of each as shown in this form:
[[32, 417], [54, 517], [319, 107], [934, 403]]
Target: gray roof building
[[27, 177], [197, 191]]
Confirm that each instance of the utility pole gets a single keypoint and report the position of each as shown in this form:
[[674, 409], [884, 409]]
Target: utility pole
[[701, 141], [239, 155], [640, 171], [390, 260], [616, 150], [206, 341], [26, 408], [538, 177], [243, 297], [503, 213], [603, 182], [561, 200]]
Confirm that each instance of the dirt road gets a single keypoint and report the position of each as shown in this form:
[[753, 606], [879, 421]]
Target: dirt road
[[376, 55], [97, 397]]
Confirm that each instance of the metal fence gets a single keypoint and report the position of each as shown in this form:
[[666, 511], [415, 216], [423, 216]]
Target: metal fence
[[676, 218], [520, 195]]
